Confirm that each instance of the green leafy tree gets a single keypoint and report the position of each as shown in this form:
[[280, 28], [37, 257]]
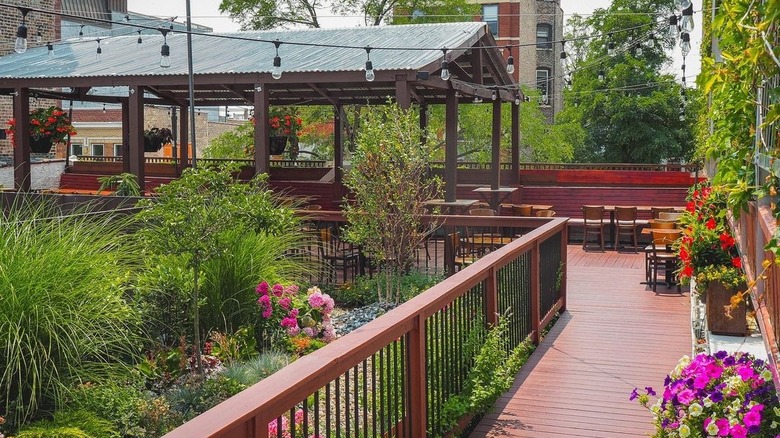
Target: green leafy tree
[[269, 14], [197, 216], [633, 114], [389, 184]]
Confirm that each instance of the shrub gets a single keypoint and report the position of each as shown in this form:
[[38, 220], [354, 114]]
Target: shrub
[[70, 424], [63, 317], [363, 290], [162, 298]]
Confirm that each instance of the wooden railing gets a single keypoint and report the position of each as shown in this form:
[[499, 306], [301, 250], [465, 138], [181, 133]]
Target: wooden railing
[[392, 376], [671, 167]]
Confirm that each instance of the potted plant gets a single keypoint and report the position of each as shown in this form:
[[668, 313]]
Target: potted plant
[[715, 395], [283, 123], [155, 138], [709, 254], [47, 126]]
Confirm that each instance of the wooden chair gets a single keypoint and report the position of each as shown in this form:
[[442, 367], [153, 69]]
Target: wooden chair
[[655, 212], [625, 225], [522, 209], [663, 257], [545, 213], [593, 223], [655, 224], [464, 256], [670, 215], [337, 255]]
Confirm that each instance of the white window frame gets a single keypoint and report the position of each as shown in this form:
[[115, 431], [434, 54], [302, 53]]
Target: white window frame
[[117, 149], [102, 149], [543, 85], [492, 18], [545, 45], [80, 146]]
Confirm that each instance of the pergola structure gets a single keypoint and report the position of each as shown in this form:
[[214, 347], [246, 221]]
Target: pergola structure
[[320, 67]]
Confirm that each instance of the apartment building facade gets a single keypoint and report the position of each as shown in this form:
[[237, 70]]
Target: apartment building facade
[[533, 30]]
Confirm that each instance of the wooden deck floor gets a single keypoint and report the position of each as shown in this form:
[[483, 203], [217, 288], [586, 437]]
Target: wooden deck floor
[[617, 334]]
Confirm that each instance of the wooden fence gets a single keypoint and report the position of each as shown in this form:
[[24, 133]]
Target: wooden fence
[[392, 376]]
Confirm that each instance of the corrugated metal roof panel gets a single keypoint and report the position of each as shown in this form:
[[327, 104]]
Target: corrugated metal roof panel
[[239, 53], [97, 9]]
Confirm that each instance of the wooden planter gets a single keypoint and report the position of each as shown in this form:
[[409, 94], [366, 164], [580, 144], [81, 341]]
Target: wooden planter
[[717, 297], [40, 145]]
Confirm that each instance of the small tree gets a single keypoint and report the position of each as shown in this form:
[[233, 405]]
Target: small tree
[[389, 184], [197, 215]]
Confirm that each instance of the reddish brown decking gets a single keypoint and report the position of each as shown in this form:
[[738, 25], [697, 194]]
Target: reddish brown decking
[[616, 335]]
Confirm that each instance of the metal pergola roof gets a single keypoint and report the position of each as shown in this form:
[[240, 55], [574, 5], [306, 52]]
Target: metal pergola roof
[[318, 68]]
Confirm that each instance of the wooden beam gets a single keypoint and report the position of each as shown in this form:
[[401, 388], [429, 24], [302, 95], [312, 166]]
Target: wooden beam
[[22, 179], [167, 96], [451, 147], [136, 133], [322, 93], [238, 93], [262, 139], [476, 65]]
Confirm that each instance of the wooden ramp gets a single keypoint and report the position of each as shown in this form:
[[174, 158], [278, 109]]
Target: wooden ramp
[[617, 334]]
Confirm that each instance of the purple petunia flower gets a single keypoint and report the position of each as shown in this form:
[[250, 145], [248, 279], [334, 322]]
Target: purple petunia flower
[[634, 395], [649, 390]]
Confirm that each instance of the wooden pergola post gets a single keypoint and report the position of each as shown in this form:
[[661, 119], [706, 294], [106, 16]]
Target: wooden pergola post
[[516, 142], [338, 152], [125, 136], [495, 173], [262, 140], [451, 147], [22, 178], [136, 134]]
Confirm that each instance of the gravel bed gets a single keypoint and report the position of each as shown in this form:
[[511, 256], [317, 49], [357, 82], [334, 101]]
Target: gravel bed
[[347, 320]]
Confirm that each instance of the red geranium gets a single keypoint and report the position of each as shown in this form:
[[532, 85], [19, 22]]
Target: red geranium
[[50, 122]]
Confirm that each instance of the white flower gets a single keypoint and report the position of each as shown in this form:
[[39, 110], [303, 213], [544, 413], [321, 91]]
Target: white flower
[[695, 409], [707, 402], [766, 375], [712, 429], [684, 430]]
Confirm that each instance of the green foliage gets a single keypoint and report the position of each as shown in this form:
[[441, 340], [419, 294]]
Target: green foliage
[[196, 396], [257, 368], [132, 410], [727, 131], [633, 115], [228, 293], [492, 374], [162, 296], [232, 144], [240, 346], [63, 317], [363, 290], [389, 184], [124, 184], [70, 424]]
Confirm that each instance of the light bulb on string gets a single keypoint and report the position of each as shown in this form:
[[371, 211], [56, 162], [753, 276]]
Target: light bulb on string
[[104, 108], [517, 99], [682, 4], [563, 49], [276, 71], [20, 45], [673, 26], [510, 62], [601, 76], [685, 44], [50, 49], [493, 95], [445, 67], [39, 37], [99, 50], [686, 24], [611, 48], [139, 39], [81, 31], [370, 76], [165, 50], [638, 50], [652, 41]]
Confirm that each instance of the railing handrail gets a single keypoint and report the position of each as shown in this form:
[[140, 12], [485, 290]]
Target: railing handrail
[[670, 167], [274, 395]]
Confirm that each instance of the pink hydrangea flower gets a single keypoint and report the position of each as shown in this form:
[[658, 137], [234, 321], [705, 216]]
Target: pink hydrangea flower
[[278, 289], [262, 288], [285, 303], [316, 300], [310, 332]]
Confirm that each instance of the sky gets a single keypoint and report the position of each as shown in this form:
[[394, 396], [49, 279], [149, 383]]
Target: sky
[[206, 12]]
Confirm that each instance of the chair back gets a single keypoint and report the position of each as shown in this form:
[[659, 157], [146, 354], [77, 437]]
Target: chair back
[[545, 213], [656, 211], [662, 224], [313, 207], [522, 209], [593, 213], [482, 212], [670, 215], [663, 238], [625, 214]]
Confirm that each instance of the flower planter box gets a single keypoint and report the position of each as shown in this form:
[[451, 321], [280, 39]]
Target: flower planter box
[[717, 298]]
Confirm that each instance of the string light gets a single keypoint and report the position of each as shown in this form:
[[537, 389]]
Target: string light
[[673, 26], [517, 98], [139, 37], [493, 95], [611, 48], [276, 72], [445, 66], [39, 37], [50, 48], [99, 50], [81, 31], [563, 49], [510, 61], [682, 4], [638, 50], [20, 46], [686, 24], [685, 44], [104, 108], [165, 50], [601, 76], [369, 66]]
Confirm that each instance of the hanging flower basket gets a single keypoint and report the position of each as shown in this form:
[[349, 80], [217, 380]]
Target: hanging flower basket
[[155, 138], [41, 145], [278, 143]]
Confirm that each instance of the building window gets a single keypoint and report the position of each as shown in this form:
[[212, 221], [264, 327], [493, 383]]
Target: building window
[[97, 150], [543, 36], [76, 149], [490, 16], [543, 84], [117, 150]]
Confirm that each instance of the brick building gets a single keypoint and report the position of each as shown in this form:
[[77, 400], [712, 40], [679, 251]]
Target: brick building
[[536, 26]]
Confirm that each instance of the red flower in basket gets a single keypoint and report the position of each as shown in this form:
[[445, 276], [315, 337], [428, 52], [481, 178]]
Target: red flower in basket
[[51, 122]]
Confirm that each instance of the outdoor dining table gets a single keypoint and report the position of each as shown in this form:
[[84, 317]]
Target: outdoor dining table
[[639, 208], [459, 206], [494, 197]]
